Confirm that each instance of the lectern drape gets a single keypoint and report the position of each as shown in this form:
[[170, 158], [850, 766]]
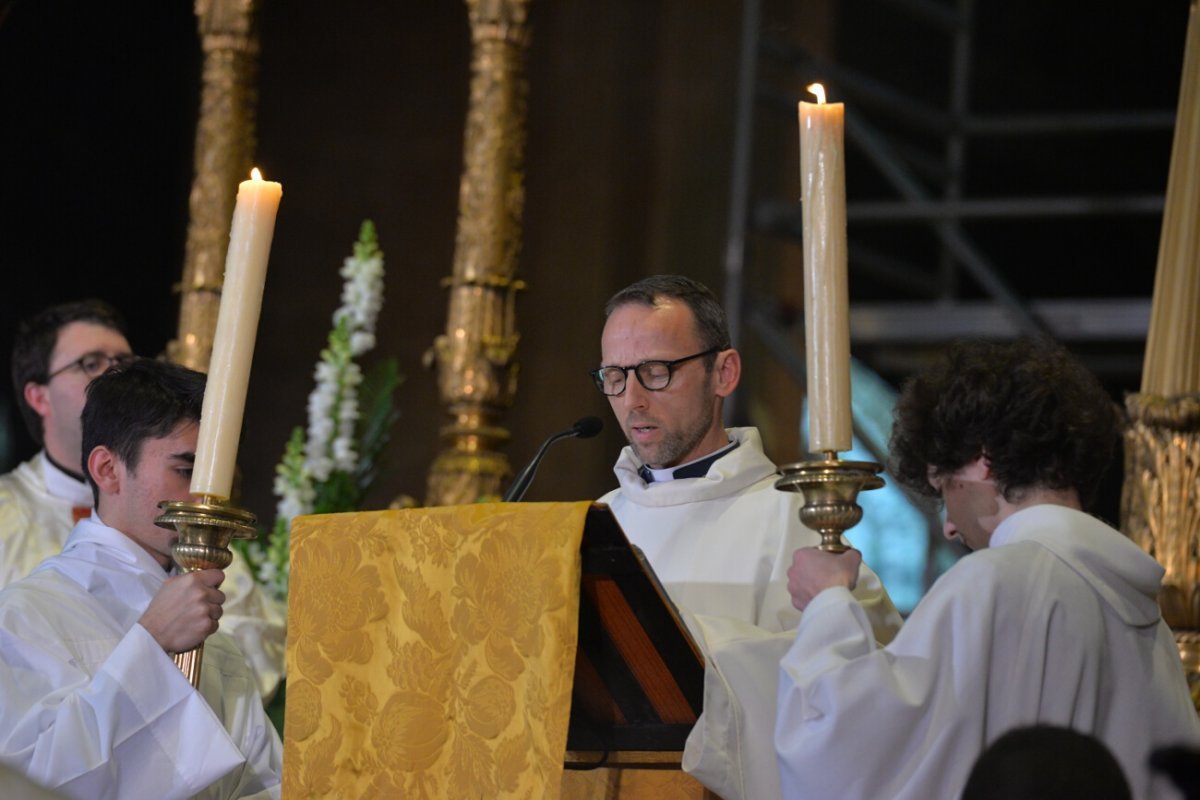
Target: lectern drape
[[431, 651]]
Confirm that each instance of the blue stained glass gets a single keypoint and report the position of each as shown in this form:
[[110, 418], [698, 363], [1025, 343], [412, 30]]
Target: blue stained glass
[[896, 537]]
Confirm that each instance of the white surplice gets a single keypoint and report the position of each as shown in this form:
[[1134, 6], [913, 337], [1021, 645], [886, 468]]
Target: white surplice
[[92, 705], [36, 502], [1055, 622], [721, 545]]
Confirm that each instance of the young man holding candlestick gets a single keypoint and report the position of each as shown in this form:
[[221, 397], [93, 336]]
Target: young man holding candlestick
[[94, 706], [57, 353], [700, 501], [1052, 620]]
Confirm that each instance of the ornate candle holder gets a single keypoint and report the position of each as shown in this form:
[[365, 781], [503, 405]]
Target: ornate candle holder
[[830, 488], [205, 531], [1160, 509]]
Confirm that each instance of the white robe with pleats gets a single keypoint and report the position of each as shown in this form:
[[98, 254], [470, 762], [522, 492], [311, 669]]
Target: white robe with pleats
[[36, 502], [94, 708], [1055, 622]]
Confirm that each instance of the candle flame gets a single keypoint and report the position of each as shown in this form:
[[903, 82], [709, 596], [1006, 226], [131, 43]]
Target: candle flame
[[256, 175], [818, 90]]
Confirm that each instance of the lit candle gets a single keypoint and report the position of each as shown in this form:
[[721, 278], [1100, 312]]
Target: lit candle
[[826, 303], [233, 344]]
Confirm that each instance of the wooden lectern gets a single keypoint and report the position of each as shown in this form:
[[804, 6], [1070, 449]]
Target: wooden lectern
[[639, 677], [435, 651]]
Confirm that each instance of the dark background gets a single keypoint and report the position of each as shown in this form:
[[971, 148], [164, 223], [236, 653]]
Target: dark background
[[630, 136]]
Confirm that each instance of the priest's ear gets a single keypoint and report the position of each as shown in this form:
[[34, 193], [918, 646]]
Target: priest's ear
[[106, 469], [37, 397], [727, 371], [980, 469]]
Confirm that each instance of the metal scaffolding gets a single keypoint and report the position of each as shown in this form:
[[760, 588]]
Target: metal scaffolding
[[930, 303], [928, 184]]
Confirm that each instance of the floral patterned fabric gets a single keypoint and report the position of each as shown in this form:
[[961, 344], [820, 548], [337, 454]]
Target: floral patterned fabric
[[431, 651]]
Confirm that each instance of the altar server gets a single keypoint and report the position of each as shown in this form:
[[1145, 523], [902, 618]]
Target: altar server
[[93, 704], [57, 352], [1051, 620], [700, 501]]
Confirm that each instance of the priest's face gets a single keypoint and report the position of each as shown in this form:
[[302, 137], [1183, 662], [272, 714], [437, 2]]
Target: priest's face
[[682, 422], [974, 504], [163, 472], [59, 401]]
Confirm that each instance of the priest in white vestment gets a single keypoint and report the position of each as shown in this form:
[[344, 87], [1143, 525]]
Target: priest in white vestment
[[93, 704], [56, 354], [700, 501], [1052, 620]]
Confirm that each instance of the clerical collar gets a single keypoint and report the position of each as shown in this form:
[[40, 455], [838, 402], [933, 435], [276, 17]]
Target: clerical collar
[[692, 469], [64, 484], [78, 476]]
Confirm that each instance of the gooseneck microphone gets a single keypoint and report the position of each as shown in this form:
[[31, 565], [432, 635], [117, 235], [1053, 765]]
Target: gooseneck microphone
[[584, 428]]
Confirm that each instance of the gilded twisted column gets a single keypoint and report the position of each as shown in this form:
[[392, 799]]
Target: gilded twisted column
[[475, 359], [1160, 502], [224, 148]]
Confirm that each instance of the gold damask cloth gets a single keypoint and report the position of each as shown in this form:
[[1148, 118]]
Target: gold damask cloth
[[431, 651]]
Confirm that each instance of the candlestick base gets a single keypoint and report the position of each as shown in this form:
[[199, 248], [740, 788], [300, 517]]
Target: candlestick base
[[830, 488], [205, 530]]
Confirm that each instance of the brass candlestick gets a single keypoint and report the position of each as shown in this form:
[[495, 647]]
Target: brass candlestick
[[830, 488], [205, 530]]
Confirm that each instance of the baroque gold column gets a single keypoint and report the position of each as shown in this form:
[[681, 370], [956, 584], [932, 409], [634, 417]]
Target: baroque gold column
[[1160, 502], [223, 152], [476, 357]]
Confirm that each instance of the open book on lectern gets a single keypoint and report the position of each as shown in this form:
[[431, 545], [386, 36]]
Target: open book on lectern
[[639, 676]]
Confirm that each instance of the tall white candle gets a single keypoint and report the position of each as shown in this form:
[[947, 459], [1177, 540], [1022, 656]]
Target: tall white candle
[[233, 344], [1172, 365], [826, 297]]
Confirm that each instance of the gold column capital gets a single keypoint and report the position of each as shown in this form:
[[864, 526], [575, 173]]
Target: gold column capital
[[234, 18]]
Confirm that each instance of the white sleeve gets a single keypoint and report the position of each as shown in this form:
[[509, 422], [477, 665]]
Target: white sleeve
[[778, 613], [905, 721], [120, 733], [229, 687], [730, 749]]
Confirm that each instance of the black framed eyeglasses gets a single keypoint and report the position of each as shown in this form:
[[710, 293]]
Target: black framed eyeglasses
[[94, 364], [654, 376]]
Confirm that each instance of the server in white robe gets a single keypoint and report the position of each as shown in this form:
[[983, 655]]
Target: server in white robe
[[700, 501], [56, 354], [1052, 619], [94, 706]]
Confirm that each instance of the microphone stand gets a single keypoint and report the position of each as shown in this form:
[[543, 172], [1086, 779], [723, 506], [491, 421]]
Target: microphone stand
[[584, 428]]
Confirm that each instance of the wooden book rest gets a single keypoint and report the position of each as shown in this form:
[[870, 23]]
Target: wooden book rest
[[639, 677]]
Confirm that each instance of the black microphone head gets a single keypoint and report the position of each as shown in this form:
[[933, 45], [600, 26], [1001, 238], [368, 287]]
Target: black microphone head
[[587, 427]]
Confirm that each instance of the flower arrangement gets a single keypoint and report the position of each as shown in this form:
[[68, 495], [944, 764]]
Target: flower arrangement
[[330, 465]]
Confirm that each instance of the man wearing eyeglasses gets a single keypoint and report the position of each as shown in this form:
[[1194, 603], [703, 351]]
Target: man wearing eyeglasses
[[700, 501], [57, 353]]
